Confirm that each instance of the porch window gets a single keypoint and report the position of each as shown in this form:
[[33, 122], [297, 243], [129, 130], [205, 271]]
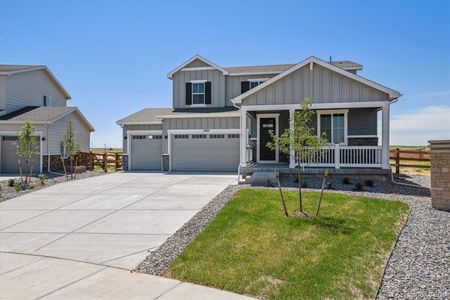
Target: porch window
[[333, 126], [198, 93], [255, 82]]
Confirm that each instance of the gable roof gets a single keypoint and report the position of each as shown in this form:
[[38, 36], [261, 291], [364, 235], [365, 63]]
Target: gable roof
[[210, 63], [15, 69], [145, 116], [314, 60], [41, 115]]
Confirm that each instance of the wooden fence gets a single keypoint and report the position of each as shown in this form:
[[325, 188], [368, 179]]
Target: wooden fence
[[399, 156], [105, 160]]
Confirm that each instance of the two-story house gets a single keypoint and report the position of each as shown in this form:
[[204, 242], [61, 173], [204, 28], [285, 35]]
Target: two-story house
[[32, 93], [221, 118]]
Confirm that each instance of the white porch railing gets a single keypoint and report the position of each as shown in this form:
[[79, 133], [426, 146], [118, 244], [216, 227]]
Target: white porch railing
[[345, 156]]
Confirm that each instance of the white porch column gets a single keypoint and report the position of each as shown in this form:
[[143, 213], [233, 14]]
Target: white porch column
[[243, 144], [385, 136], [291, 150]]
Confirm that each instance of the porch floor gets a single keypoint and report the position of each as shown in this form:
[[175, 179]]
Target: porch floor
[[283, 168]]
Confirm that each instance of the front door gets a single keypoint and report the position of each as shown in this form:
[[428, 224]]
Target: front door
[[265, 125]]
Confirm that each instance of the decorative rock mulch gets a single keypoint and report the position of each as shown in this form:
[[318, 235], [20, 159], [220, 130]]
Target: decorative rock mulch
[[7, 192], [418, 268]]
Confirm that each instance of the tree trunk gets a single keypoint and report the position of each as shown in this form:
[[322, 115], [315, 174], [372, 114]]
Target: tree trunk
[[20, 170], [299, 179], [76, 164], [64, 167], [71, 168], [31, 170], [325, 174]]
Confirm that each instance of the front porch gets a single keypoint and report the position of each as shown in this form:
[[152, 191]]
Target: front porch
[[351, 128]]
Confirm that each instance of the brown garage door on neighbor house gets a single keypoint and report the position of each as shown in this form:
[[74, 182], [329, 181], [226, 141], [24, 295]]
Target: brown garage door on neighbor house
[[9, 162], [205, 152]]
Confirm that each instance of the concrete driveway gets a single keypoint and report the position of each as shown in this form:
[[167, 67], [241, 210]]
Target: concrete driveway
[[80, 239]]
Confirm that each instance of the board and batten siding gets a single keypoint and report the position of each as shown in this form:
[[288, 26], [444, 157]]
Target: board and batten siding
[[320, 84], [28, 89], [58, 129], [233, 85], [126, 128], [216, 78], [2, 92], [199, 123]]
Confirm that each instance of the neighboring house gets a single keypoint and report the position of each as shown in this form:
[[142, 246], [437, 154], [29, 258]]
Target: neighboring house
[[221, 117], [32, 93]]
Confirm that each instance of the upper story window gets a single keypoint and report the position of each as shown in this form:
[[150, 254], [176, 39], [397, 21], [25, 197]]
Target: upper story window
[[333, 125], [198, 93], [251, 83], [47, 100]]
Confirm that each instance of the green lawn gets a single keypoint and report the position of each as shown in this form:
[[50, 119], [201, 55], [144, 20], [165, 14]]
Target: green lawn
[[251, 248]]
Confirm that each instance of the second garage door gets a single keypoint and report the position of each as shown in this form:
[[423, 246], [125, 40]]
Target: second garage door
[[205, 152], [146, 152], [9, 162]]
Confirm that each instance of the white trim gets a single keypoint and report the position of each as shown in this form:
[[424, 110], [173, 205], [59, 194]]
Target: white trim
[[171, 132], [171, 73], [313, 60], [266, 116], [198, 105], [139, 123], [291, 148], [198, 81], [342, 105], [201, 115], [71, 111], [362, 136], [385, 136], [197, 69], [333, 112], [38, 133], [258, 79], [254, 73], [140, 132]]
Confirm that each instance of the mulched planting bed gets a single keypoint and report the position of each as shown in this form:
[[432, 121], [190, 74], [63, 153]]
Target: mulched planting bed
[[7, 192]]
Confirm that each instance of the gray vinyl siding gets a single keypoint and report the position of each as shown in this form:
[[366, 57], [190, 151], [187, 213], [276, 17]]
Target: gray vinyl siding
[[199, 123], [58, 129], [321, 85], [28, 88], [233, 85], [196, 64], [126, 128], [216, 78], [18, 127], [362, 121], [2, 92]]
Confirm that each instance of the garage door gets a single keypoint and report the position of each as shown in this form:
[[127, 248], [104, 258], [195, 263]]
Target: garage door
[[9, 158], [146, 152], [205, 152]]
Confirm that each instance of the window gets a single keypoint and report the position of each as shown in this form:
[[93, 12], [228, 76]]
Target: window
[[47, 100], [216, 136], [233, 136], [154, 137], [199, 136], [255, 82], [198, 93], [181, 136], [333, 126], [139, 137]]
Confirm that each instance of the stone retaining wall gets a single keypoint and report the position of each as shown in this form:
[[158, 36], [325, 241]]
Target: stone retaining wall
[[440, 174]]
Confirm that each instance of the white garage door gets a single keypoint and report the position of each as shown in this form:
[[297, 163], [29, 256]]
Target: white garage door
[[145, 151], [205, 152], [9, 162]]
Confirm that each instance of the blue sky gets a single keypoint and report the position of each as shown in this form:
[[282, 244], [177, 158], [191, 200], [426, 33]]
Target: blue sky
[[113, 56]]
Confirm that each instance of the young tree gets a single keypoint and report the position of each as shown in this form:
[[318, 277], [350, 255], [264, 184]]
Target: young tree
[[70, 147], [301, 138], [26, 150]]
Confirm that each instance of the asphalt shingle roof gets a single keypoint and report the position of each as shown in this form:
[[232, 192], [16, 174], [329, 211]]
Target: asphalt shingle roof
[[12, 68], [344, 64], [37, 114]]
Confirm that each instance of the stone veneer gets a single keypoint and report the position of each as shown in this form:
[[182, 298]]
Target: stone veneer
[[165, 158], [125, 162], [56, 163], [440, 174]]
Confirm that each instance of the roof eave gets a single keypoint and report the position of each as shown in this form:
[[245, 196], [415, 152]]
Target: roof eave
[[197, 56]]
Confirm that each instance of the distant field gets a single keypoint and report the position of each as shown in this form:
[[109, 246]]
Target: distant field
[[410, 147], [102, 150]]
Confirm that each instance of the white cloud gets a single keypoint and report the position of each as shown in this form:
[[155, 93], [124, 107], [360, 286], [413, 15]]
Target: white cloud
[[417, 127]]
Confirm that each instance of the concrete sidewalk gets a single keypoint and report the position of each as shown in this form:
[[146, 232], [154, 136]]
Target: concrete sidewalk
[[81, 239]]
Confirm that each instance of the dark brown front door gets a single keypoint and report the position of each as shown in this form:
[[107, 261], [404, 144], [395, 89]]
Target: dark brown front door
[[265, 125]]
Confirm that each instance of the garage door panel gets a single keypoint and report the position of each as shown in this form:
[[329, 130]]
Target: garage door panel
[[9, 157], [205, 154], [146, 152]]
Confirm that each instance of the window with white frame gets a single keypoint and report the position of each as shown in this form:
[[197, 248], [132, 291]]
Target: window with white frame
[[255, 82], [332, 125], [198, 93], [47, 100]]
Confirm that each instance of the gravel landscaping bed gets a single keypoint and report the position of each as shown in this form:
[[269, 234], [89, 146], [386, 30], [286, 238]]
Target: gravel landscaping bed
[[8, 192], [158, 260], [418, 267]]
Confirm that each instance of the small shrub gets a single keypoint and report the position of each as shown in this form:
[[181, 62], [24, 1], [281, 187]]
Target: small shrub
[[368, 183], [304, 184], [42, 179], [330, 185], [11, 182], [358, 186], [17, 186], [30, 186], [346, 180]]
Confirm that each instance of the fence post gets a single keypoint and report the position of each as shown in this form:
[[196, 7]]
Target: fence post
[[105, 162], [116, 161], [337, 157], [397, 160]]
